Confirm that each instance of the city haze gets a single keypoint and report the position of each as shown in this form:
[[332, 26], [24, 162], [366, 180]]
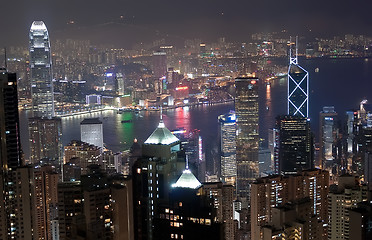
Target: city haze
[[124, 23]]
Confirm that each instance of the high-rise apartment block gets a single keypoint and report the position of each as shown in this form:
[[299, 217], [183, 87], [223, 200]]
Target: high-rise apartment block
[[45, 140], [342, 198], [223, 199], [82, 154], [247, 138], [308, 189]]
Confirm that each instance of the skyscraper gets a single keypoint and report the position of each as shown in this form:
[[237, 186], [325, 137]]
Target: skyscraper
[[341, 199], [41, 71], [276, 191], [9, 122], [91, 131], [295, 144], [228, 147], [45, 140], [246, 110], [298, 88], [44, 129], [159, 64], [327, 135], [15, 207]]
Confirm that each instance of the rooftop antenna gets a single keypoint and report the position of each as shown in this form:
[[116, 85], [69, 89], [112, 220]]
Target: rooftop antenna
[[187, 161], [161, 123], [296, 47], [292, 60]]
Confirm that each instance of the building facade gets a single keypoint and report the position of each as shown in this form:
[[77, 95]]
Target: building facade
[[227, 128], [91, 131], [41, 71], [247, 138]]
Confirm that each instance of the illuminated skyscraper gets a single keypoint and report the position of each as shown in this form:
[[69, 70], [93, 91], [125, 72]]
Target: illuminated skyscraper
[[228, 147], [15, 206], [298, 88], [295, 144], [91, 131], [327, 134], [41, 71], [246, 110], [159, 64], [45, 140]]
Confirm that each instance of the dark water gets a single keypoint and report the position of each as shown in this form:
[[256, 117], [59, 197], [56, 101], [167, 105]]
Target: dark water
[[342, 83]]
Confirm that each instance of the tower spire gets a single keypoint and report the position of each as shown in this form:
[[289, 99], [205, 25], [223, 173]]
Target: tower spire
[[292, 60], [296, 47], [187, 161], [161, 123]]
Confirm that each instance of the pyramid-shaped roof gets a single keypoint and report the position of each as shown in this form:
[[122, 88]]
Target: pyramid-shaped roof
[[162, 136], [187, 180]]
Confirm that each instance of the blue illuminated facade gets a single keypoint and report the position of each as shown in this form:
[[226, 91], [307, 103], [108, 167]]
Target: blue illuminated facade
[[298, 89]]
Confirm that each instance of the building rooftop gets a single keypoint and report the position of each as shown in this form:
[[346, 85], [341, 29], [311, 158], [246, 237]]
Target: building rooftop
[[162, 136], [91, 121], [38, 25], [187, 180]]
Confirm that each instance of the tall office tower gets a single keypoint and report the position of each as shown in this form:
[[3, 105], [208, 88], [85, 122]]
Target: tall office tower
[[363, 145], [227, 129], [295, 144], [247, 139], [82, 154], [223, 198], [91, 131], [191, 144], [119, 84], [328, 142], [277, 190], [159, 64], [274, 149], [45, 199], [350, 118], [153, 175], [298, 88], [15, 206], [341, 199], [41, 71], [45, 140]]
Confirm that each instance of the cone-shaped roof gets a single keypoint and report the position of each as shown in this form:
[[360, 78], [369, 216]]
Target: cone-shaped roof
[[187, 180], [162, 136]]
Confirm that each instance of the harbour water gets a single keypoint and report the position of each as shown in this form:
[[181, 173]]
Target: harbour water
[[342, 83]]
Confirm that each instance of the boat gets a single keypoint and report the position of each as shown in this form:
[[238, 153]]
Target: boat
[[127, 121]]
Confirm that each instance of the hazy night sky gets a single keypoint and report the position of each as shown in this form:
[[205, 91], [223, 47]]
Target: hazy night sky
[[234, 19]]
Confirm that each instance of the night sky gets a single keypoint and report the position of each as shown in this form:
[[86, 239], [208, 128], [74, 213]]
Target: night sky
[[234, 19]]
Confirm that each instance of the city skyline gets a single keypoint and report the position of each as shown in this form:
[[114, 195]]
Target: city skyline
[[204, 140]]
